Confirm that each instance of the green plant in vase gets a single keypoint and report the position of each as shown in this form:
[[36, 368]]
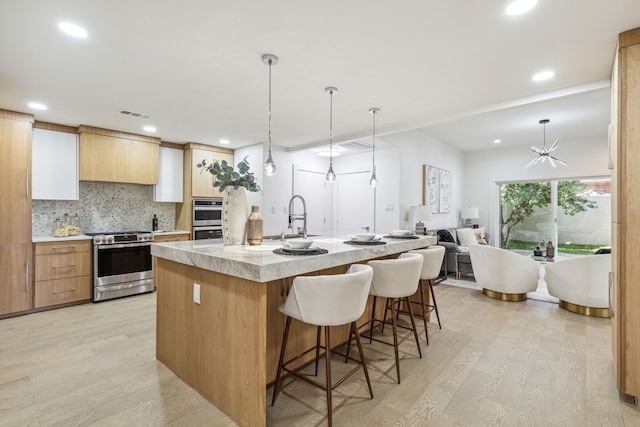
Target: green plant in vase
[[225, 176]]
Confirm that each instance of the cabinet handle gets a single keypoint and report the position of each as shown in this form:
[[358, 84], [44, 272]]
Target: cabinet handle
[[611, 273], [63, 266], [172, 240], [55, 248], [62, 291], [26, 277]]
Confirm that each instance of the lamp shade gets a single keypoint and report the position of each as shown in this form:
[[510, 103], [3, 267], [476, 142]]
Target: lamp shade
[[419, 213], [469, 213]]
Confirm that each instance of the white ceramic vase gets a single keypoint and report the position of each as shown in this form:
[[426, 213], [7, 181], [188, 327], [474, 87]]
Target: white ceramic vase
[[234, 216]]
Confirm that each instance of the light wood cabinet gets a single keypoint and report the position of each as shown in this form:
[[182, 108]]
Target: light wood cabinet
[[55, 165], [625, 292], [62, 272], [197, 184], [163, 238], [15, 212], [111, 156]]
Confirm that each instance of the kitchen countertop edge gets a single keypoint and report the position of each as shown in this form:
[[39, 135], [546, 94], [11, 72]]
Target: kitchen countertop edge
[[44, 239]]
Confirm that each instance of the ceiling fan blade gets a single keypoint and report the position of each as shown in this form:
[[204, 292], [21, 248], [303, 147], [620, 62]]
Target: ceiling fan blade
[[562, 162], [530, 162], [554, 146]]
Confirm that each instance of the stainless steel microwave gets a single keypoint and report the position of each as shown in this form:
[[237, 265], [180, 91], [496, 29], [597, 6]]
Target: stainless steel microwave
[[207, 213]]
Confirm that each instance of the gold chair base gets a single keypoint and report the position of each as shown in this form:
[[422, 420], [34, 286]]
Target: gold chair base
[[587, 311], [504, 297]]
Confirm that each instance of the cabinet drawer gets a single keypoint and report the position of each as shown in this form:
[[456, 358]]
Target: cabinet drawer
[[69, 246], [50, 267], [52, 292], [171, 238]]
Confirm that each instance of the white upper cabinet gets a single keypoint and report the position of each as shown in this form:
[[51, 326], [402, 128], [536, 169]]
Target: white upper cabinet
[[169, 188], [54, 163]]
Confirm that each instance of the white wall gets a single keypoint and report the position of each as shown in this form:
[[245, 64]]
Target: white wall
[[416, 150], [483, 169]]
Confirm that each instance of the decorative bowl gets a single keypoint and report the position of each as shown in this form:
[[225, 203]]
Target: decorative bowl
[[400, 232], [365, 237], [299, 243]]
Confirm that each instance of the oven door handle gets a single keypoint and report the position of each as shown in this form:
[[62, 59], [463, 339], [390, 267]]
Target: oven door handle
[[123, 245]]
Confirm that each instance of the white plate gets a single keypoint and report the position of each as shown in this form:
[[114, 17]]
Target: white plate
[[400, 232], [375, 239]]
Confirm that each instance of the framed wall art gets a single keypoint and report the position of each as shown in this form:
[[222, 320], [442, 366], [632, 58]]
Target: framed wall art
[[436, 189]]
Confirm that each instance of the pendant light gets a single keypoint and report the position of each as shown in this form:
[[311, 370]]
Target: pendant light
[[331, 175], [269, 166], [544, 154], [373, 182]]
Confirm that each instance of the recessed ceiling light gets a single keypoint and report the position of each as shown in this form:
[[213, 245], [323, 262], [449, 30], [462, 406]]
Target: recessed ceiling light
[[37, 105], [497, 141], [224, 141], [149, 128], [326, 152], [544, 75], [520, 6], [72, 29]]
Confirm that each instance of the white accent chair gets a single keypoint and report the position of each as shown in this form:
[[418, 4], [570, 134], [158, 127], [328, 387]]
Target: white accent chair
[[503, 274], [581, 284], [396, 280], [432, 261], [327, 300]]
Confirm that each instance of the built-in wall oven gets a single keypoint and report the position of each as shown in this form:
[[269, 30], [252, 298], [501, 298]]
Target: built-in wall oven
[[122, 264], [207, 219]]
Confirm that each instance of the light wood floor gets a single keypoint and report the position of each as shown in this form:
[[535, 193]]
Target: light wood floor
[[493, 363]]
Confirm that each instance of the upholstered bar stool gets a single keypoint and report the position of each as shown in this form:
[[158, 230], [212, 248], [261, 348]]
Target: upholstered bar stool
[[432, 260], [396, 280], [326, 301]]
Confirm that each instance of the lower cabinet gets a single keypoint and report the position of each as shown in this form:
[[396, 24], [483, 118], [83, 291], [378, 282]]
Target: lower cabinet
[[62, 272], [163, 238]]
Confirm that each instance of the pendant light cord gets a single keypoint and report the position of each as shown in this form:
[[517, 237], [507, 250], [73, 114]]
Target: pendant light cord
[[374, 140], [270, 62], [330, 128]]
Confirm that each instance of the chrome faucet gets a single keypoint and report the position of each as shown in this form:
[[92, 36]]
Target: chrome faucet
[[293, 217]]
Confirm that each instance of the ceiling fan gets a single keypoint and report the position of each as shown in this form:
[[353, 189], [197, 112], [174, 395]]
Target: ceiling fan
[[544, 154]]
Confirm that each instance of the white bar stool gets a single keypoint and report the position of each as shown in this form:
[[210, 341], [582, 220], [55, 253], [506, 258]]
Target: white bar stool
[[395, 280], [332, 300], [432, 261]]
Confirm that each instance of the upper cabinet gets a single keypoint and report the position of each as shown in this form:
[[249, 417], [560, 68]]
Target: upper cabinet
[[170, 183], [54, 165], [201, 180], [111, 156]]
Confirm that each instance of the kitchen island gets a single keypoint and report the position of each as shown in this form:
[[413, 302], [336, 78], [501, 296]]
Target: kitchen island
[[226, 345]]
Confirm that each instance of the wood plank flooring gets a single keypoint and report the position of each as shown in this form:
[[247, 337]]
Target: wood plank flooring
[[493, 363]]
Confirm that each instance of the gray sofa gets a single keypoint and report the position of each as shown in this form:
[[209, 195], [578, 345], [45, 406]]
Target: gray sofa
[[457, 260]]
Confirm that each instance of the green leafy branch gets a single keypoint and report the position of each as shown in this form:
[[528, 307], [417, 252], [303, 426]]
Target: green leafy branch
[[225, 176]]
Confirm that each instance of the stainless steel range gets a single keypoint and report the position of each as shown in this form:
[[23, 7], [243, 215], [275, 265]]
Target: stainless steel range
[[122, 264]]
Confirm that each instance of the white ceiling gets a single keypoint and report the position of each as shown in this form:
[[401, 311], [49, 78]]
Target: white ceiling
[[195, 67]]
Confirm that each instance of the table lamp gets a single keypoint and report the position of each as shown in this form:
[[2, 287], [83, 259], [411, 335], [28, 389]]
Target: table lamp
[[468, 214], [418, 215]]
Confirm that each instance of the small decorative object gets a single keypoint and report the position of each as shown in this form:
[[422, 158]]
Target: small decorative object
[[154, 223], [550, 250], [418, 215], [468, 214], [232, 184], [254, 226]]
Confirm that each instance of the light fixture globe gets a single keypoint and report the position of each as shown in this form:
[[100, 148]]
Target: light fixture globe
[[331, 175], [269, 165]]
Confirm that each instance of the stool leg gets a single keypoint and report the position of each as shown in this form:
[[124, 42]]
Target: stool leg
[[435, 304], [281, 360], [413, 325], [327, 354], [395, 338], [424, 311], [373, 316], [346, 358], [354, 328], [317, 348]]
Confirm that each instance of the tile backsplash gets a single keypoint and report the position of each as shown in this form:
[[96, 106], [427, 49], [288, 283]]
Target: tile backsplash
[[105, 206]]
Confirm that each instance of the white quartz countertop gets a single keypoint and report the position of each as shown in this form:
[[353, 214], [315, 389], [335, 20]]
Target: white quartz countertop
[[41, 239], [260, 264], [168, 233]]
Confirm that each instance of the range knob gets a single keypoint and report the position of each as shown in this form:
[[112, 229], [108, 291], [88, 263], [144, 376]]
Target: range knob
[[97, 240], [108, 239]]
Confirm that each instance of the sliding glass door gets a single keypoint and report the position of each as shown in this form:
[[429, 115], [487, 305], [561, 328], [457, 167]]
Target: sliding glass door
[[574, 214]]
